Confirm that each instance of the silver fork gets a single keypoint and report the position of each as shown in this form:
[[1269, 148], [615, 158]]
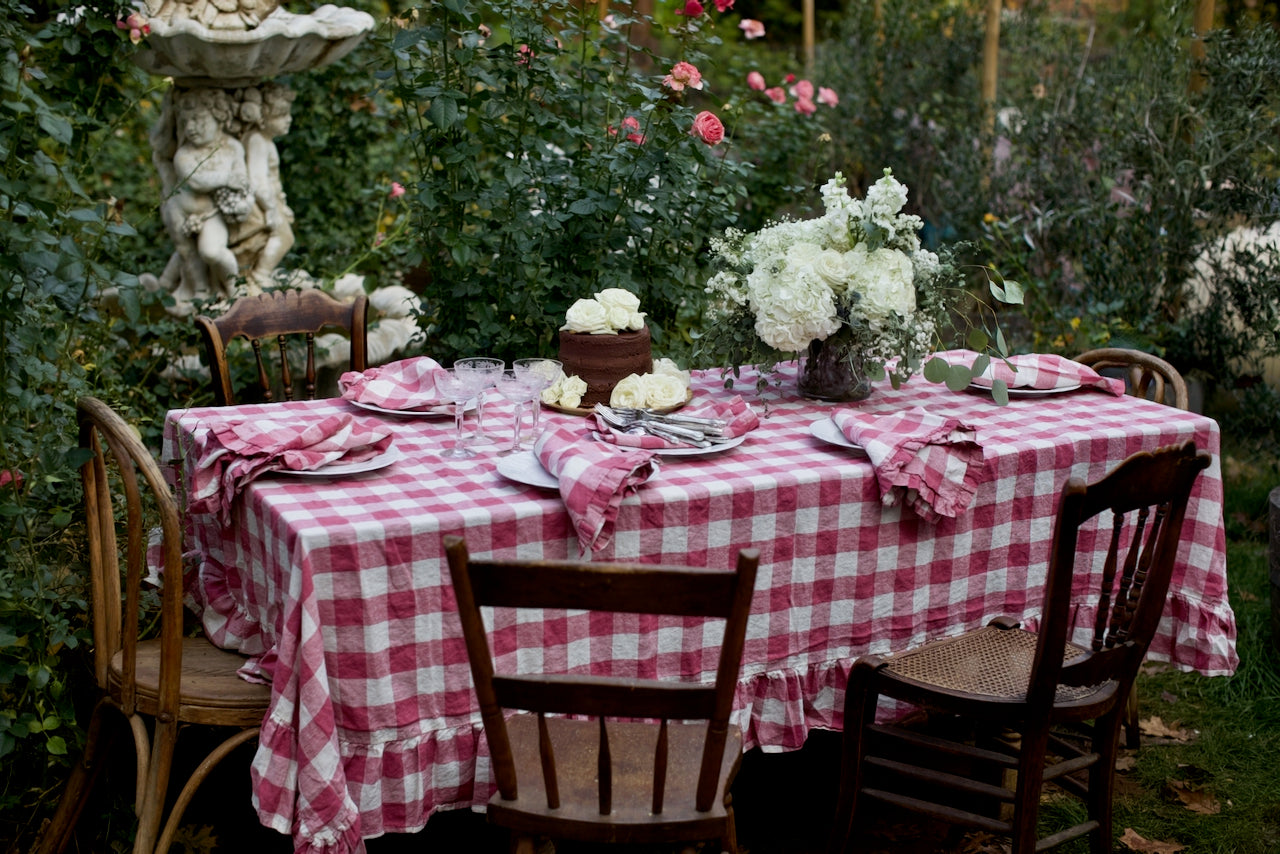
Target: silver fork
[[628, 422], [710, 426]]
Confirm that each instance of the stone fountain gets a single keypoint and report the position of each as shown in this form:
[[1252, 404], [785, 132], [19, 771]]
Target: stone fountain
[[214, 142]]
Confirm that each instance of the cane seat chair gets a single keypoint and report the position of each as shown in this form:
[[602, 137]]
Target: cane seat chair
[[161, 684], [1145, 375], [660, 776], [1051, 707], [274, 317]]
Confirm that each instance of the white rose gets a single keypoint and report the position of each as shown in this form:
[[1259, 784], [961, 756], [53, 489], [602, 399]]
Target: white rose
[[629, 392], [617, 317], [551, 394], [612, 298], [833, 267], [635, 321], [663, 390], [587, 315], [669, 368], [571, 391]]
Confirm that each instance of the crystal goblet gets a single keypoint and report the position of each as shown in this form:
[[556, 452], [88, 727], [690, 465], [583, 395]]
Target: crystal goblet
[[519, 389], [486, 370], [542, 372], [459, 387]]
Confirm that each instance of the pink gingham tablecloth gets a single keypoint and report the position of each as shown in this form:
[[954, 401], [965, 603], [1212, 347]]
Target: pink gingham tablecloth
[[339, 588]]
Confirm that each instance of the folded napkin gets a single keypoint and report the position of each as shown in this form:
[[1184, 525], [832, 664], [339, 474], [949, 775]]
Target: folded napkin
[[231, 454], [408, 384], [737, 414], [594, 478], [932, 463], [1037, 371]]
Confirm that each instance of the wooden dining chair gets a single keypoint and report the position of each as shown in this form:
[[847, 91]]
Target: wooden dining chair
[[1041, 708], [660, 776], [278, 315], [1145, 375], [1151, 378], [153, 687]]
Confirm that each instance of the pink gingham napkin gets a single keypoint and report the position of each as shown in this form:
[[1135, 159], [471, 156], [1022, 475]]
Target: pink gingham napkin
[[231, 454], [1040, 371], [594, 478], [737, 414], [407, 384], [932, 463]]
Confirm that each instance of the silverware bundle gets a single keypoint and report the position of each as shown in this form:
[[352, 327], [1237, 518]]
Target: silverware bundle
[[672, 426]]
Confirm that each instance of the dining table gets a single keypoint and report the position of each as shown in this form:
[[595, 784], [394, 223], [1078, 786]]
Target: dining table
[[336, 589]]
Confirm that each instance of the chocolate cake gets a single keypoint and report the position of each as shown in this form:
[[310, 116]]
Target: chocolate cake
[[601, 360]]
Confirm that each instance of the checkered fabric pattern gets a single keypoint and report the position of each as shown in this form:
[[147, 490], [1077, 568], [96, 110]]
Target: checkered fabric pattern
[[407, 384], [930, 463], [1037, 371], [594, 478], [338, 588]]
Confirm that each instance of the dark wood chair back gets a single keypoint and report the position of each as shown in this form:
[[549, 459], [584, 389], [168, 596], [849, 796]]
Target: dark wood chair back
[[168, 679], [559, 786], [1145, 375], [271, 319]]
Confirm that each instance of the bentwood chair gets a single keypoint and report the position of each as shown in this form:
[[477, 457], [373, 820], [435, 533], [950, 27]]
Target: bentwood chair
[[153, 687], [1150, 378], [660, 776], [276, 316], [1031, 705], [1145, 375]]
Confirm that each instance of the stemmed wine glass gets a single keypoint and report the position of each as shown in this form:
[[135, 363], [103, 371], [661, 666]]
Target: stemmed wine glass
[[541, 373], [458, 386], [486, 371], [519, 389]]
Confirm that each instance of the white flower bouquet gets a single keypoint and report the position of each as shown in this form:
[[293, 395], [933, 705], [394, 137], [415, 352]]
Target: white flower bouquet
[[856, 276]]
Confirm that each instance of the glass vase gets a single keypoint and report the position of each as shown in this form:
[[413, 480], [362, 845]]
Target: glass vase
[[833, 370]]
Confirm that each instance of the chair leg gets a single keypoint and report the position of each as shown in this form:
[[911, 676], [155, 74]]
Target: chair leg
[[1106, 739], [151, 810], [729, 842], [522, 844], [860, 701], [1026, 803], [1132, 736], [193, 783], [100, 735]]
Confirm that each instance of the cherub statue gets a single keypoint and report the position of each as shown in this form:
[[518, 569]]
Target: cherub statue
[[267, 116]]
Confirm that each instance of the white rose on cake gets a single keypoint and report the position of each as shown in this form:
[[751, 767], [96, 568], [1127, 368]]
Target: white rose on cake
[[587, 315], [622, 308]]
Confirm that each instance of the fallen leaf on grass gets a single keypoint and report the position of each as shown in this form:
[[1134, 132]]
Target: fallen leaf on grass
[[1246, 596], [1134, 842], [1169, 697], [1126, 763], [1156, 728], [1193, 797], [981, 842]]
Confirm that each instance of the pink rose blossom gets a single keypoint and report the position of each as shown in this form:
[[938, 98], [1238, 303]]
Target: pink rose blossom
[[803, 89], [11, 477], [397, 190], [707, 128], [751, 28], [136, 25], [724, 5], [776, 94], [805, 106], [683, 74], [790, 78], [828, 96], [524, 55], [632, 124], [484, 31], [756, 81], [609, 22], [692, 9]]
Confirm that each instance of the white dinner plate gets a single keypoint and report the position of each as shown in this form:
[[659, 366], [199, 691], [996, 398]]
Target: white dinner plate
[[826, 430], [686, 452], [1026, 392], [390, 455], [444, 410], [523, 467]]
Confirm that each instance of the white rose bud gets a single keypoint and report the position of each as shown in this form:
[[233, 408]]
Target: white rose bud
[[663, 390], [629, 392], [669, 368], [551, 394], [586, 315], [618, 298], [635, 321]]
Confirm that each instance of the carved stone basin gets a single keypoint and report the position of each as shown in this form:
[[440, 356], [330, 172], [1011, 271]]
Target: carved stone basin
[[283, 43]]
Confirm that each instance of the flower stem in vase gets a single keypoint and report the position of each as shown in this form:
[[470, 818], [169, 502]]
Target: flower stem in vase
[[833, 371]]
